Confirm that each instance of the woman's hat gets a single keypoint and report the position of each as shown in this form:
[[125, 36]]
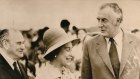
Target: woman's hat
[[55, 38]]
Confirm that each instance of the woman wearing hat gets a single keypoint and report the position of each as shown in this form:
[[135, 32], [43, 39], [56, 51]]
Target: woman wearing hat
[[58, 55]]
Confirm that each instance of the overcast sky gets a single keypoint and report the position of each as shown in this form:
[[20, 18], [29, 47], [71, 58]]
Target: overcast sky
[[24, 14]]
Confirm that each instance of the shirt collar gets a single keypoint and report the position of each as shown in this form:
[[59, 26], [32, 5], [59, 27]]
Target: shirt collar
[[117, 38], [7, 58]]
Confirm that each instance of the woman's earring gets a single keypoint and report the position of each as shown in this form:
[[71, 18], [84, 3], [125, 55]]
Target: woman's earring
[[55, 56]]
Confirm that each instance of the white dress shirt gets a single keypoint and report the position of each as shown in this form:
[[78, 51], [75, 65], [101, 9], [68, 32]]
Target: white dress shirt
[[118, 42]]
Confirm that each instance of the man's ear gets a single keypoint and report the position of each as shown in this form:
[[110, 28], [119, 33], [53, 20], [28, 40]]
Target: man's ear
[[117, 22], [5, 44]]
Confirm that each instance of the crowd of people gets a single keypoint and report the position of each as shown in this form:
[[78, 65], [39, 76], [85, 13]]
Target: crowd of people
[[37, 44], [50, 50], [64, 53], [43, 53]]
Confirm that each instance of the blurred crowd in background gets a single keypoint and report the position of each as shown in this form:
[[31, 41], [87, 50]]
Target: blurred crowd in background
[[35, 47]]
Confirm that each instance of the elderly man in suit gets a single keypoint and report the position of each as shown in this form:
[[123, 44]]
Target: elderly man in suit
[[11, 50], [114, 54]]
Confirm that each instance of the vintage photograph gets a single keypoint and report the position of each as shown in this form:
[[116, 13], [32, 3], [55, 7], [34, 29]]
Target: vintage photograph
[[69, 39]]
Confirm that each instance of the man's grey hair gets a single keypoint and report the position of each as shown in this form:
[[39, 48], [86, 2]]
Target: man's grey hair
[[4, 35], [115, 8]]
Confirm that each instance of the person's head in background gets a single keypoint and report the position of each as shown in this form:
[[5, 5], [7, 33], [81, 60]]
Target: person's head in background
[[65, 25], [30, 36], [109, 18], [58, 47], [80, 33], [12, 43]]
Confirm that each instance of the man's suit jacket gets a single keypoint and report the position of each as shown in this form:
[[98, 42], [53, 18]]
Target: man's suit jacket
[[6, 72], [96, 62]]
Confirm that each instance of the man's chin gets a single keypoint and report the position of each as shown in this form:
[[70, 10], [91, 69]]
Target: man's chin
[[104, 34], [20, 55]]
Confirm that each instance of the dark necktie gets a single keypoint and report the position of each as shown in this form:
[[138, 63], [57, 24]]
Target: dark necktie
[[114, 58], [16, 69]]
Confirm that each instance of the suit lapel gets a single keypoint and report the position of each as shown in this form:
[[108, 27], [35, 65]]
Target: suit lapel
[[7, 67], [103, 52], [126, 50]]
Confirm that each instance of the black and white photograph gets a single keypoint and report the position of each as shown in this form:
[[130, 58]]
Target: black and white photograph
[[69, 39]]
